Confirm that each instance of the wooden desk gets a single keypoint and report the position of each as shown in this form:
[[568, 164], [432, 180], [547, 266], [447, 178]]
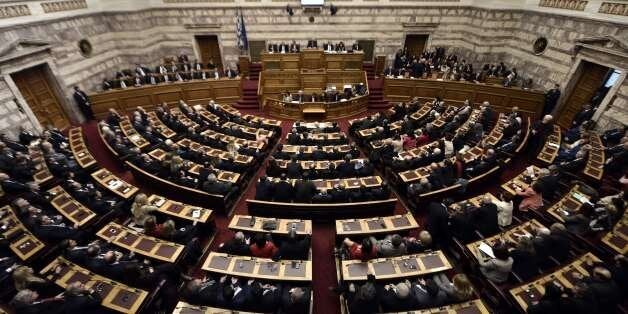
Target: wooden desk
[[396, 267], [139, 243], [185, 308], [115, 295], [322, 136], [530, 292], [511, 235], [42, 173], [569, 204], [317, 110], [259, 268], [322, 211], [617, 239], [148, 96], [269, 123], [594, 168], [180, 210], [69, 207], [131, 133], [349, 183], [187, 122], [26, 245], [501, 98], [551, 146], [255, 224], [377, 225], [214, 152], [254, 132], [159, 126], [114, 184], [79, 149], [470, 307], [222, 175], [319, 165], [318, 126], [308, 149], [228, 138], [522, 181]]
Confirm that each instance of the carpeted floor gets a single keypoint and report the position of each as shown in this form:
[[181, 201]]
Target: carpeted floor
[[323, 239]]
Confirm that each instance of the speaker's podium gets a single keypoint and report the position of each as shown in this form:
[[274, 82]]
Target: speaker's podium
[[310, 72], [314, 111]]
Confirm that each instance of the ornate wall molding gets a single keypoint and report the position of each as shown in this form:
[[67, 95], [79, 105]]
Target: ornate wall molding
[[576, 5], [8, 11], [614, 8], [68, 5], [201, 25]]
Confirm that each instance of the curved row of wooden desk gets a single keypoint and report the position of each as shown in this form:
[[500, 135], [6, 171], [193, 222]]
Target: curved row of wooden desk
[[452, 92], [148, 96]]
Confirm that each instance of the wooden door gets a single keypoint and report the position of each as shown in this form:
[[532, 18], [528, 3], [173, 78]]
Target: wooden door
[[40, 97], [589, 81], [209, 49], [416, 43]]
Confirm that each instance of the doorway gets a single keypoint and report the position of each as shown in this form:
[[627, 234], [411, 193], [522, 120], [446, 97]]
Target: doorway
[[415, 43], [37, 90], [591, 79], [209, 49]]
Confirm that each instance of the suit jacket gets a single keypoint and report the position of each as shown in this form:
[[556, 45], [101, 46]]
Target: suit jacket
[[304, 190], [485, 218], [293, 170], [83, 302], [283, 191], [264, 191]]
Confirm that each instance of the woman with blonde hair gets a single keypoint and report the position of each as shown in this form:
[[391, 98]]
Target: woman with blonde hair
[[141, 209], [176, 164], [25, 278], [459, 290]]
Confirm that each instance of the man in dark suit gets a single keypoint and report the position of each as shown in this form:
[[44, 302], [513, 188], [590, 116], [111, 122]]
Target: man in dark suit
[[319, 153], [230, 73], [294, 47], [293, 248], [212, 186], [436, 177], [304, 190], [437, 219], [356, 46], [11, 186], [346, 168], [283, 190], [396, 298], [83, 103], [264, 189], [202, 291], [551, 99], [339, 194], [485, 217], [294, 169], [78, 299], [312, 44], [295, 300], [236, 246]]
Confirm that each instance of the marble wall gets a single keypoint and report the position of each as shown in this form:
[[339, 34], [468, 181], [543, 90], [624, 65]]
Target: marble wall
[[122, 38]]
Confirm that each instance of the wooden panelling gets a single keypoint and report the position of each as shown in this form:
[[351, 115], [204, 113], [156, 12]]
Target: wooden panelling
[[193, 92], [501, 98]]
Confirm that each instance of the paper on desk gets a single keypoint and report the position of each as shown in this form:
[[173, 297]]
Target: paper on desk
[[486, 249]]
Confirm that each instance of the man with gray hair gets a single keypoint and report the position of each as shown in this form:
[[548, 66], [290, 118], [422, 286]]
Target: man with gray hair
[[236, 246], [390, 246]]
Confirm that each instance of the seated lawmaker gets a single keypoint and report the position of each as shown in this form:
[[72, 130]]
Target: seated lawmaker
[[364, 251], [262, 246], [293, 248], [236, 246]]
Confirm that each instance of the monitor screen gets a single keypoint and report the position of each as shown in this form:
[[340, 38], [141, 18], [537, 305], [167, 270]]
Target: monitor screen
[[312, 2]]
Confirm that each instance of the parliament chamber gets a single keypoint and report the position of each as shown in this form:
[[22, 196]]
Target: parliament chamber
[[254, 156]]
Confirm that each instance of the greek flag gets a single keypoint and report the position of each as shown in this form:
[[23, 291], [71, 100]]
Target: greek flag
[[243, 43]]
